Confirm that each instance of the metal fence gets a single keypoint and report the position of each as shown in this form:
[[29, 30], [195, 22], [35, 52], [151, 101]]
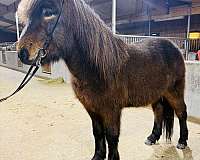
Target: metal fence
[[8, 46], [130, 39], [194, 45], [182, 43], [187, 46]]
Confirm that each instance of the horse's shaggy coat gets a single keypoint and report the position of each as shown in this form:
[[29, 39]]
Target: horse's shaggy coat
[[107, 74]]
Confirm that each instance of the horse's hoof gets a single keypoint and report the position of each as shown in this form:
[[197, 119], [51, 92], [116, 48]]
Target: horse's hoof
[[149, 142], [180, 146]]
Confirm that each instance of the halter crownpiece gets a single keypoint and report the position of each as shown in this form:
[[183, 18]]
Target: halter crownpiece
[[41, 54]]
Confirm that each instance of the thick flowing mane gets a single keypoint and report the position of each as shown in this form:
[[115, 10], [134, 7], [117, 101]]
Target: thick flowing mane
[[104, 50]]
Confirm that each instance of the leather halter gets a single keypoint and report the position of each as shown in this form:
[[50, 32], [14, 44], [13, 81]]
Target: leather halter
[[42, 53]]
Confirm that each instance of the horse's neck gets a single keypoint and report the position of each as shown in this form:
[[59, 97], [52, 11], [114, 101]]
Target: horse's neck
[[81, 69], [98, 50]]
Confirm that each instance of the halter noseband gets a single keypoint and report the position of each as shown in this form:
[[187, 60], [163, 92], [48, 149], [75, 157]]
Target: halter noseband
[[42, 53]]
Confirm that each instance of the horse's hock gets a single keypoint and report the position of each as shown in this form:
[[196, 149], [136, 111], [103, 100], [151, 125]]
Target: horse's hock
[[46, 122]]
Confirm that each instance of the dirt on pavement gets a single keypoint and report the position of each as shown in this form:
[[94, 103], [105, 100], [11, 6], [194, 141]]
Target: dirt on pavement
[[46, 122]]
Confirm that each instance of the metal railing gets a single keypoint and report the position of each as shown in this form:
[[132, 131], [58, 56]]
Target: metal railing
[[8, 46], [130, 39], [194, 45], [182, 43]]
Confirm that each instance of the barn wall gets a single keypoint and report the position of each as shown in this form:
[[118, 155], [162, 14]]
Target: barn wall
[[192, 91], [58, 70]]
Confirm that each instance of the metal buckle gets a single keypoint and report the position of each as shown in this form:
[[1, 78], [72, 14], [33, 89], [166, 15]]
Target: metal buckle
[[41, 54], [38, 62]]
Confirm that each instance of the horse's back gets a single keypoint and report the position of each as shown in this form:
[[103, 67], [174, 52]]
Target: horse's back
[[154, 65], [161, 54]]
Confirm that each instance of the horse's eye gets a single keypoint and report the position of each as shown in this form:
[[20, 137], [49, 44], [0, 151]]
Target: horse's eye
[[47, 12]]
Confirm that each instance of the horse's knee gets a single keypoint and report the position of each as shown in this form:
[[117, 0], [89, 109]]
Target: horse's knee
[[97, 124], [98, 130]]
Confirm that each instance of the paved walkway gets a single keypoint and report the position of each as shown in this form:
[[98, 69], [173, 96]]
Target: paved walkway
[[46, 122]]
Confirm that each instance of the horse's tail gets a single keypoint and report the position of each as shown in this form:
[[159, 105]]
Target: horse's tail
[[168, 119]]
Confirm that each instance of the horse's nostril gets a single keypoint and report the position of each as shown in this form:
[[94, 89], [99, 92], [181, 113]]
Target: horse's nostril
[[23, 54]]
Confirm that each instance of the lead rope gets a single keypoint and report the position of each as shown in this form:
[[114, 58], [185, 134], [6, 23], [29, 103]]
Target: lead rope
[[41, 54], [24, 82]]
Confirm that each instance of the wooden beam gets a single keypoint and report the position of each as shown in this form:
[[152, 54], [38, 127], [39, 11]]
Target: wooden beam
[[7, 20], [8, 26], [195, 1], [174, 12], [196, 10], [187, 1], [99, 2], [183, 11], [7, 30], [158, 5]]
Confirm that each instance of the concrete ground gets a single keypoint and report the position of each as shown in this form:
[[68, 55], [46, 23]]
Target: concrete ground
[[46, 122]]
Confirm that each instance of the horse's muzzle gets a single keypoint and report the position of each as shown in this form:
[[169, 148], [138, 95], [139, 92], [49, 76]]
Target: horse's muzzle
[[24, 56]]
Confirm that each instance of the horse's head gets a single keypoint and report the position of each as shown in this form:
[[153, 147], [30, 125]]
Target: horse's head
[[39, 18]]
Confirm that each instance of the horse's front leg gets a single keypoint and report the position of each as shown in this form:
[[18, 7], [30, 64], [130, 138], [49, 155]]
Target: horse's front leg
[[99, 135], [112, 126]]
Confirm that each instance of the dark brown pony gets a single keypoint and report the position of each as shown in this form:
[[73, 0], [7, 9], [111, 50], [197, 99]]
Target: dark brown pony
[[107, 74]]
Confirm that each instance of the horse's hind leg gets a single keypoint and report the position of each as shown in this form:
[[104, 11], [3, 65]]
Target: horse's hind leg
[[175, 97], [158, 120], [99, 135]]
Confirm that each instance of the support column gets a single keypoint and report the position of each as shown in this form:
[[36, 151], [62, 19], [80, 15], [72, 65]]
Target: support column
[[149, 21], [17, 25], [188, 31], [114, 15], [188, 24]]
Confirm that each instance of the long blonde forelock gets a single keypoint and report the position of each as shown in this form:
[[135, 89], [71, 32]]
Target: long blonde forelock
[[24, 10]]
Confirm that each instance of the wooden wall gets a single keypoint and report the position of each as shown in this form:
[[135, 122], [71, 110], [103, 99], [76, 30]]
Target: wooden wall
[[173, 28]]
